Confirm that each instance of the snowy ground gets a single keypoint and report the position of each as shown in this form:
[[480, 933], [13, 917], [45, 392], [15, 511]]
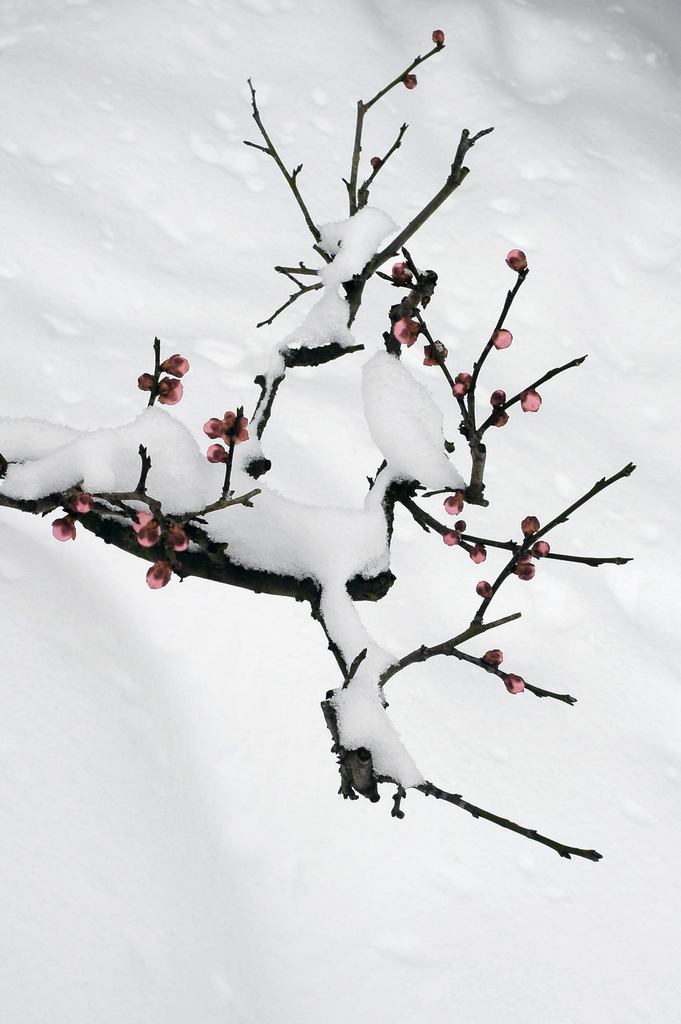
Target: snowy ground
[[173, 847]]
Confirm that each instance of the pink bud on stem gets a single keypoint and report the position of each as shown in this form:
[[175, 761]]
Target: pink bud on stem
[[429, 354], [514, 684], [497, 398], [406, 331], [530, 400], [493, 658], [517, 260], [454, 503], [439, 37], [529, 525], [451, 537], [501, 420], [179, 541], [478, 553], [484, 589], [64, 529], [145, 382], [462, 383], [524, 570], [175, 365], [375, 162], [502, 339], [401, 273], [169, 391], [159, 574], [81, 503], [541, 549], [410, 81]]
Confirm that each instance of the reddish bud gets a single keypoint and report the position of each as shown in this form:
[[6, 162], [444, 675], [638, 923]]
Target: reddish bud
[[229, 422], [517, 260], [478, 553], [159, 574], [429, 353], [439, 37], [451, 537], [176, 365], [454, 503], [530, 400], [81, 503], [502, 339], [493, 658], [169, 391], [214, 428], [484, 589], [406, 331], [460, 526], [401, 273], [216, 453], [410, 81], [497, 398], [462, 383], [524, 570], [541, 549], [501, 420], [145, 382], [179, 541], [142, 519], [529, 525], [514, 684], [376, 162], [147, 529], [64, 529], [525, 556]]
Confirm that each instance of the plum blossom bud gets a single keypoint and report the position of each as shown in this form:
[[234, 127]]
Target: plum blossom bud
[[439, 37], [81, 503], [451, 537], [541, 549], [524, 570], [410, 81], [525, 556], [216, 453], [147, 529], [502, 339], [493, 658], [460, 526], [529, 525], [401, 273], [145, 382], [462, 383], [406, 331], [64, 529], [478, 553], [517, 260], [159, 574], [497, 398], [484, 589], [224, 428], [176, 365], [375, 162], [429, 354], [514, 684], [179, 541], [530, 400], [501, 420], [169, 391], [454, 503], [214, 428]]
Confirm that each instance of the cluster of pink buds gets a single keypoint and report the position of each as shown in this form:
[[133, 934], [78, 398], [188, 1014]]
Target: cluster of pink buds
[[430, 358], [227, 429], [451, 537], [410, 81], [406, 331], [517, 260], [524, 568], [65, 528], [462, 383], [168, 389], [149, 533], [401, 272], [497, 399]]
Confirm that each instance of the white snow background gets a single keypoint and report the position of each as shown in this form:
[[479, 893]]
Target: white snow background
[[173, 849]]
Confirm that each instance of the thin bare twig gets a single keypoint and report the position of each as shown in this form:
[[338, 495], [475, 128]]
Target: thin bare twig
[[302, 290], [363, 194]]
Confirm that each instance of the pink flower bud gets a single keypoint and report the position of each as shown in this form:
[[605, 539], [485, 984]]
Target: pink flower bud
[[493, 658], [429, 353], [462, 383], [64, 529], [451, 537], [145, 382], [401, 273], [501, 420], [169, 391], [147, 529], [517, 260], [214, 428], [242, 433], [439, 37], [81, 503], [376, 162], [406, 331], [529, 525], [159, 574], [410, 81], [176, 365], [142, 519], [502, 339], [524, 570], [216, 453], [454, 503], [460, 526], [530, 400], [541, 549], [179, 541], [478, 553], [497, 398], [514, 684], [484, 589]]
